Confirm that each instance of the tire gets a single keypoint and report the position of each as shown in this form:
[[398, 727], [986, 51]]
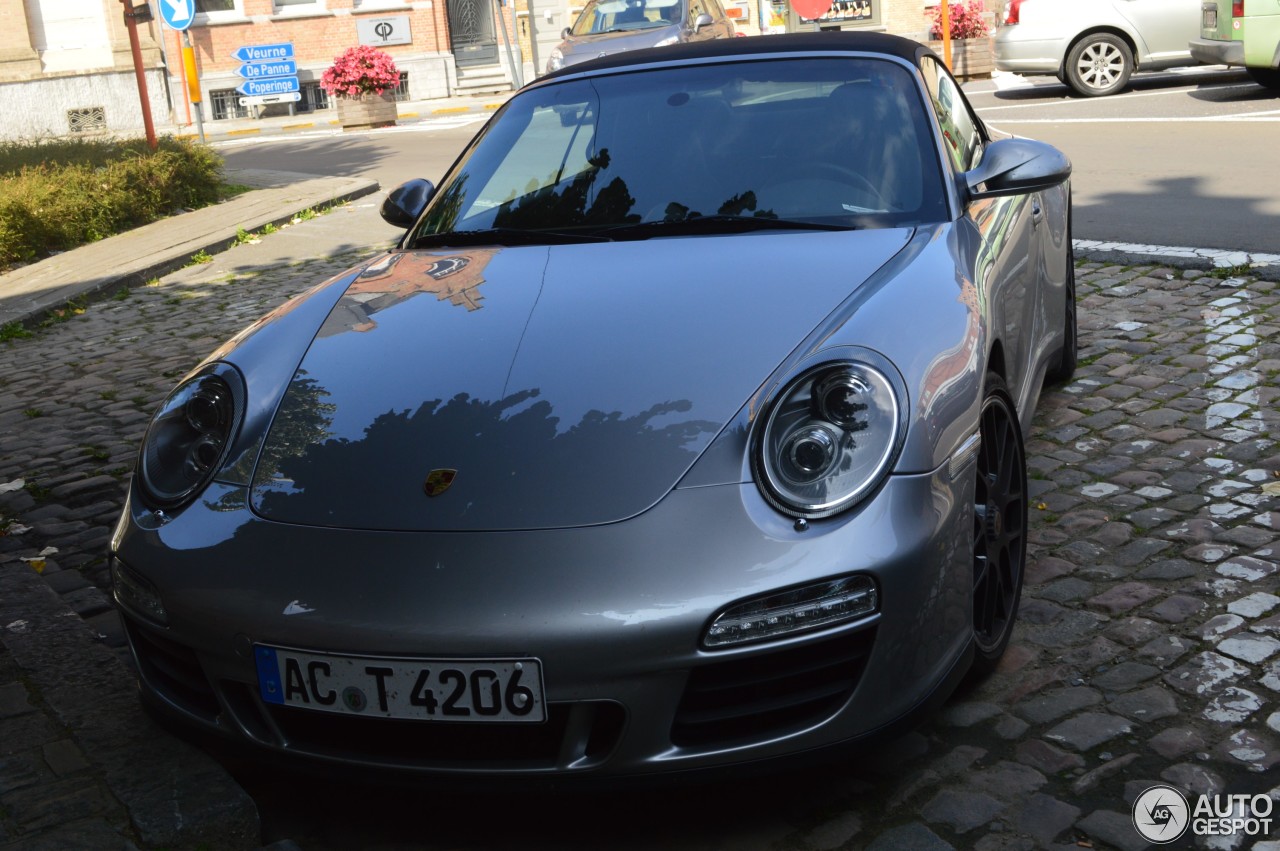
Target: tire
[[999, 525], [1064, 368], [1098, 64], [1268, 77]]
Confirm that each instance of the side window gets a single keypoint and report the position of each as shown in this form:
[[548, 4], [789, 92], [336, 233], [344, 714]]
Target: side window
[[959, 127]]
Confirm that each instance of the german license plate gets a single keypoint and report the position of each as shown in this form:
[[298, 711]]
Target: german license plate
[[420, 689], [1210, 19]]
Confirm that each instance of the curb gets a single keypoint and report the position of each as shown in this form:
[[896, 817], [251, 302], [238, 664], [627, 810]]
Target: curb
[[1265, 267], [134, 257]]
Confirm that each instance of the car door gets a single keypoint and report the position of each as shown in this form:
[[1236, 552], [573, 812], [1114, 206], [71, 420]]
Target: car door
[[1008, 260], [1164, 28]]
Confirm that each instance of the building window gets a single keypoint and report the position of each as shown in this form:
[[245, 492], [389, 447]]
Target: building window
[[402, 88], [313, 98], [282, 5], [225, 103], [217, 10]]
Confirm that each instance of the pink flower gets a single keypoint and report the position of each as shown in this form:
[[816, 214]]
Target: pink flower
[[965, 18], [360, 70]]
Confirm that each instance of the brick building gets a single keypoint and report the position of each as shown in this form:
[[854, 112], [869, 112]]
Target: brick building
[[66, 66]]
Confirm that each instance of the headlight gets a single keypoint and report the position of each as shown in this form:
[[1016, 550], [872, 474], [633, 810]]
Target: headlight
[[555, 61], [188, 438], [827, 440]]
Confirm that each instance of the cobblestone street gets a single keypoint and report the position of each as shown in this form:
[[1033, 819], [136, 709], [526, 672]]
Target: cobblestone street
[[1148, 649]]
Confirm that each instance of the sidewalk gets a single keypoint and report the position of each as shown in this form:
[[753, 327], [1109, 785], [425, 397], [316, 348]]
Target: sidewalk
[[327, 119], [136, 256]]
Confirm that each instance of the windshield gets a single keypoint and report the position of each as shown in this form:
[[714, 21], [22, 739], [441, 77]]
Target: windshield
[[607, 16], [832, 142]]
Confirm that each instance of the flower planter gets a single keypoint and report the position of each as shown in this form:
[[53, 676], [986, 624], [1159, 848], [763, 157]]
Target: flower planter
[[971, 58], [360, 112]]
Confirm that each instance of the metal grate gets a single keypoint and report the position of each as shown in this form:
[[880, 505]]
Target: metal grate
[[313, 98], [90, 119], [402, 88], [225, 103]]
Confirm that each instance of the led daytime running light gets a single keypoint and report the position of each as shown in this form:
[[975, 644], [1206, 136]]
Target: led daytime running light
[[794, 611], [137, 594]]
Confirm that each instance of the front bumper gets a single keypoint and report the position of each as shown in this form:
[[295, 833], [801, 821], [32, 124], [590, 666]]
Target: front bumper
[[1212, 51], [615, 613]]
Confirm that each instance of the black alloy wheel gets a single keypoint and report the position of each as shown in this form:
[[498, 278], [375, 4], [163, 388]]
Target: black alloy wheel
[[999, 526]]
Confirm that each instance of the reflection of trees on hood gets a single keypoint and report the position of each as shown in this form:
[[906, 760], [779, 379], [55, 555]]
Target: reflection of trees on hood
[[510, 454], [302, 421]]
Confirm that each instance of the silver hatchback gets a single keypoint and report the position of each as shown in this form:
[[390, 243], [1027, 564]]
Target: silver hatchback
[[1095, 45], [606, 27]]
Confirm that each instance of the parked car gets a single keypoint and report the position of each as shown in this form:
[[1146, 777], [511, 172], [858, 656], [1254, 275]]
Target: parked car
[[1244, 33], [605, 27], [1095, 45], [683, 429]]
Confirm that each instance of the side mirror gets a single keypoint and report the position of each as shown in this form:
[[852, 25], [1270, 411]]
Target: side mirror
[[406, 202], [564, 33], [1017, 167], [703, 20]]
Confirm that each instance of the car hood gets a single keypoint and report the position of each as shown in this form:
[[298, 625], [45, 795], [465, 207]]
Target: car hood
[[580, 48], [541, 387]]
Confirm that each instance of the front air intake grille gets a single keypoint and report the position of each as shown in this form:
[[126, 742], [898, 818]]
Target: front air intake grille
[[172, 670], [581, 734], [744, 700]]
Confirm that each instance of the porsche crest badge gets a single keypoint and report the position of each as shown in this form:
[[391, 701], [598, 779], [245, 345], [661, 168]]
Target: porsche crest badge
[[438, 481]]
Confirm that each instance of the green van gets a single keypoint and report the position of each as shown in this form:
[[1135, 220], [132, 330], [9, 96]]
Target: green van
[[1249, 35]]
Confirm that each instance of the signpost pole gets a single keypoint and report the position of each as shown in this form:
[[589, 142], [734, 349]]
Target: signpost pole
[[516, 76], [193, 81], [139, 73], [944, 23]]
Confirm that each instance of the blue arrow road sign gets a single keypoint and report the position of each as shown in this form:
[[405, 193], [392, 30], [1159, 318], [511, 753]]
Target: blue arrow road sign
[[263, 70], [263, 52], [272, 86], [178, 14]]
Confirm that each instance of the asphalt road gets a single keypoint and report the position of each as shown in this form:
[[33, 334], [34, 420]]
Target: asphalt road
[[1184, 158]]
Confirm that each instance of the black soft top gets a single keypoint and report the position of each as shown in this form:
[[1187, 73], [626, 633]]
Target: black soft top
[[759, 45]]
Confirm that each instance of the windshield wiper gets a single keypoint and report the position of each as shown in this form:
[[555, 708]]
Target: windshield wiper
[[712, 225], [502, 236]]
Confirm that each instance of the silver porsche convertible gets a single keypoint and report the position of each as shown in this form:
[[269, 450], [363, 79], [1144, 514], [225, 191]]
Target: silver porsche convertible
[[682, 430]]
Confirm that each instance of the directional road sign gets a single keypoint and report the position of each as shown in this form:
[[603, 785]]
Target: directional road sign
[[270, 86], [262, 70], [178, 14], [263, 52]]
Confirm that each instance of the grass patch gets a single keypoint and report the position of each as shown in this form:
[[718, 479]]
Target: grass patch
[[13, 331], [73, 308], [1224, 272], [199, 257], [32, 413], [58, 194]]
